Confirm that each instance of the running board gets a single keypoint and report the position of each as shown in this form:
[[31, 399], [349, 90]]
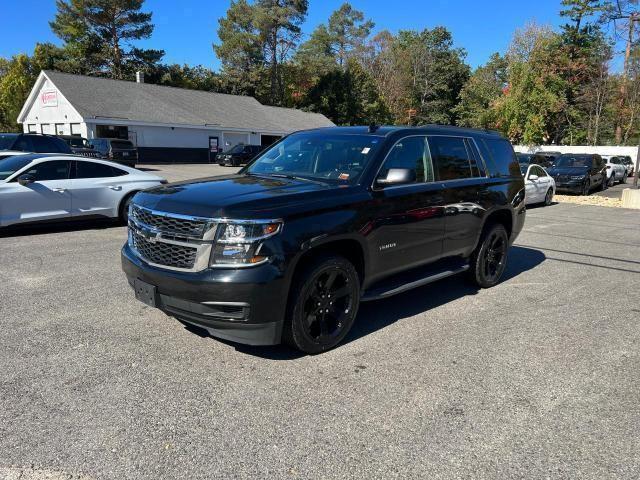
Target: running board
[[413, 279]]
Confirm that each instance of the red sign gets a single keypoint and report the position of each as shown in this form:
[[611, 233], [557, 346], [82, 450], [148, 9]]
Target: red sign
[[49, 98]]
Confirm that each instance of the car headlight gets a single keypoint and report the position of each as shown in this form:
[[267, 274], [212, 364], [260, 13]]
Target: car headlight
[[239, 242], [577, 177]]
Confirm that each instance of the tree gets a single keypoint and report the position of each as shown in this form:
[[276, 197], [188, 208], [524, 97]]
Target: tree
[[347, 31], [479, 94], [348, 97], [101, 33]]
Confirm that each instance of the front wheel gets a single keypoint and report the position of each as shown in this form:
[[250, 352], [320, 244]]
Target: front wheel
[[548, 197], [586, 188], [624, 178], [123, 213], [490, 257], [323, 304]]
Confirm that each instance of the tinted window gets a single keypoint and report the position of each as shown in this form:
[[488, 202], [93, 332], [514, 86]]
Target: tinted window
[[123, 144], [23, 144], [568, 160], [540, 172], [96, 170], [450, 158], [503, 161], [11, 165], [46, 145], [53, 170], [6, 141], [411, 153]]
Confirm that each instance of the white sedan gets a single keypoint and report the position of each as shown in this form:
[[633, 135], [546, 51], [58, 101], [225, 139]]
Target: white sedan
[[37, 187], [540, 187]]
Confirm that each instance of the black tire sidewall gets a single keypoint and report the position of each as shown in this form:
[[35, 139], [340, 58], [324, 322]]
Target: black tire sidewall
[[294, 332], [548, 199], [477, 276]]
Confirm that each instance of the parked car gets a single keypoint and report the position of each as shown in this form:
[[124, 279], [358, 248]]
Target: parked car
[[579, 173], [19, 143], [628, 163], [533, 158], [239, 155], [116, 149], [550, 157], [539, 185], [616, 170], [79, 145], [287, 248], [39, 187]]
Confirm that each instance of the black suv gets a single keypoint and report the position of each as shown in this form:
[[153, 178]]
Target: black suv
[[116, 149], [579, 173], [287, 248], [534, 159], [31, 142], [239, 155], [79, 145]]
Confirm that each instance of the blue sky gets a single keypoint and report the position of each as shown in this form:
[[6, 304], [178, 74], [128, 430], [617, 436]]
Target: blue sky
[[185, 29]]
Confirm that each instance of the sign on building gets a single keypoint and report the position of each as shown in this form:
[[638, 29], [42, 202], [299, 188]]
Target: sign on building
[[49, 98]]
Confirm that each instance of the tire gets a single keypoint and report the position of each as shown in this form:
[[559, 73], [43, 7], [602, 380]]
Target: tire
[[323, 304], [624, 178], [548, 199], [489, 259], [586, 188], [123, 211]]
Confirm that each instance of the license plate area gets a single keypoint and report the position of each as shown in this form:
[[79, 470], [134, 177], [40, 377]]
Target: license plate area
[[146, 292]]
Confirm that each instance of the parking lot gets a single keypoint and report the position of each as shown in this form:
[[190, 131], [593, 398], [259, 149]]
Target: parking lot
[[537, 377]]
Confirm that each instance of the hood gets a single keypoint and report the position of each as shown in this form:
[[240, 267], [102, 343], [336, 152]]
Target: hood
[[241, 196], [568, 171]]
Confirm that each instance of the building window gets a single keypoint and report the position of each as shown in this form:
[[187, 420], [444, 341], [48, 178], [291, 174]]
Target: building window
[[112, 131], [59, 128], [45, 128], [32, 128], [75, 129]]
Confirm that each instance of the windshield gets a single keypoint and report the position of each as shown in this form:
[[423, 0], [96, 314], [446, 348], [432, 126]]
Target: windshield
[[317, 155], [524, 158], [237, 149], [6, 140], [573, 161], [11, 165]]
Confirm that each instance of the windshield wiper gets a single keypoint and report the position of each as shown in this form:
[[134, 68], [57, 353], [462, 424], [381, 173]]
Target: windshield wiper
[[292, 177]]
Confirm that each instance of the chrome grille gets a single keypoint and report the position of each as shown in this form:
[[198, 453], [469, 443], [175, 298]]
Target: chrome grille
[[171, 224], [164, 254]]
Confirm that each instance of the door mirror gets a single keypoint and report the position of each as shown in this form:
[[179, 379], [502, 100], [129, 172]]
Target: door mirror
[[398, 176], [533, 177], [26, 179]]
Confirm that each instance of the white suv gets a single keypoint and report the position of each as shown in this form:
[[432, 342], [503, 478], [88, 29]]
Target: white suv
[[616, 170]]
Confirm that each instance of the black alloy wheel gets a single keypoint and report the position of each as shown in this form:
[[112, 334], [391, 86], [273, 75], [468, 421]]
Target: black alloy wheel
[[548, 197], [489, 260], [586, 187], [324, 305]]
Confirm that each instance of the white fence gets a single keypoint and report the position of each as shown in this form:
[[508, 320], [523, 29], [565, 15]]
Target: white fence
[[600, 150]]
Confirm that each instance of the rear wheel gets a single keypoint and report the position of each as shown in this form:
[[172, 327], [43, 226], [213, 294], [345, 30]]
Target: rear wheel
[[490, 257], [323, 304], [123, 213]]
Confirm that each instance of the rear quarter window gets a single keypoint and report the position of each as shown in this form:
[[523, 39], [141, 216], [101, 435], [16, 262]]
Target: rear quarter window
[[501, 158]]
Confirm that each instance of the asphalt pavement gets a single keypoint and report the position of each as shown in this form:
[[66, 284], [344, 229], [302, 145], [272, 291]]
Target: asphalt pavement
[[538, 377]]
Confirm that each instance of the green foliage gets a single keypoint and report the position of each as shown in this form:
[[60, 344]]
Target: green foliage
[[99, 34], [348, 97]]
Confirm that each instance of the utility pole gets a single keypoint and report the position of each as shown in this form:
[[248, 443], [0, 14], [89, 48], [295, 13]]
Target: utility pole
[[635, 171]]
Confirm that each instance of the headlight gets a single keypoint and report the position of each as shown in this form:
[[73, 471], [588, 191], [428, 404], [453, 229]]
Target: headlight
[[240, 242], [577, 177]]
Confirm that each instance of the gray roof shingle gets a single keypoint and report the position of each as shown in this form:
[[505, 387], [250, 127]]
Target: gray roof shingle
[[95, 97]]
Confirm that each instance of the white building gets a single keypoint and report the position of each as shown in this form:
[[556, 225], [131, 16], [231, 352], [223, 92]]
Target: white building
[[165, 123]]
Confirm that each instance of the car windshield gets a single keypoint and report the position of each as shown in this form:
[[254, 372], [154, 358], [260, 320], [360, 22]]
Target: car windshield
[[524, 158], [11, 165], [573, 161], [316, 155], [237, 149], [6, 140]]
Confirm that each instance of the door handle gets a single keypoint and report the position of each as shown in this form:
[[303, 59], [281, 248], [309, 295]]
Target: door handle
[[117, 188], [59, 190]]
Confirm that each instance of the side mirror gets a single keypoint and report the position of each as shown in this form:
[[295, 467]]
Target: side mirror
[[533, 177], [26, 179], [397, 176]]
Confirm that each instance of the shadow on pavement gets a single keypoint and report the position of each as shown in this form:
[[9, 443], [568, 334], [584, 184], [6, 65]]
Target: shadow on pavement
[[57, 227], [376, 315]]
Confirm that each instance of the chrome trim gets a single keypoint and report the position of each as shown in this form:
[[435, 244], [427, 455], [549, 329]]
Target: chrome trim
[[209, 230]]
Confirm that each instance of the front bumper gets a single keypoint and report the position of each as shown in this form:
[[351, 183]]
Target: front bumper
[[244, 305], [573, 186]]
